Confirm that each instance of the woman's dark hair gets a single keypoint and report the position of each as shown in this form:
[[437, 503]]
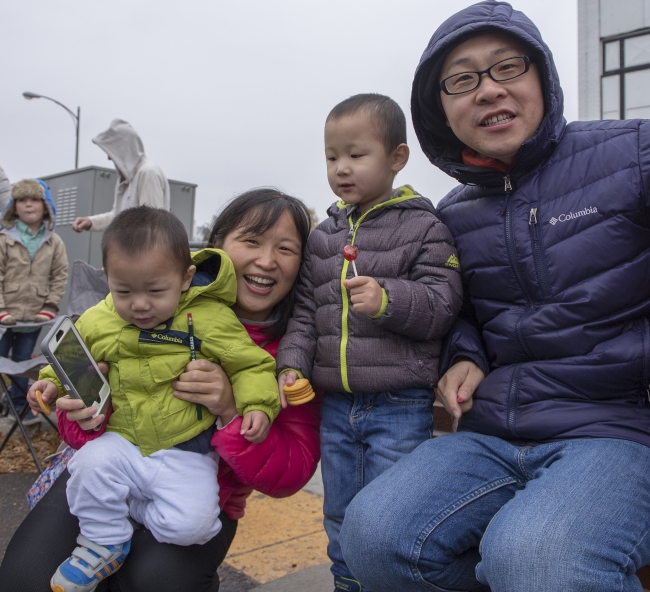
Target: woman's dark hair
[[254, 212]]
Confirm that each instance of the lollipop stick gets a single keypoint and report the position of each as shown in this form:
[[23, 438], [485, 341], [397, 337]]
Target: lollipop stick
[[354, 266]]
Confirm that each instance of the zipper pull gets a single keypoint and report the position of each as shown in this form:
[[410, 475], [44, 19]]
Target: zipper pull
[[532, 219], [507, 183], [351, 231]]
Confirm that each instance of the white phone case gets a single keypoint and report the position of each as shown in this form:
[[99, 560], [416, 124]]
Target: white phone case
[[74, 366]]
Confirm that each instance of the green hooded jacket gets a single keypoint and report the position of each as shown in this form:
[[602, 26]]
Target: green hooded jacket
[[143, 363]]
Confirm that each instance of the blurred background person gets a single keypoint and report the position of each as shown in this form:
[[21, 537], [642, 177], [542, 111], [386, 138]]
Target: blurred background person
[[141, 181], [5, 190]]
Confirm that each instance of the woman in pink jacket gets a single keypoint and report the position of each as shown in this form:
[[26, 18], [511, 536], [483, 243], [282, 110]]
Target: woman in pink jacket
[[264, 233]]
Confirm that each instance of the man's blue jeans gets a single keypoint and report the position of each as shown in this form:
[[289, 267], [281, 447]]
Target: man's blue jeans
[[21, 346], [362, 435], [467, 511]]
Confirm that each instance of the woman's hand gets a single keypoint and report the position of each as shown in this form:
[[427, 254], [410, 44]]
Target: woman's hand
[[205, 383], [456, 388]]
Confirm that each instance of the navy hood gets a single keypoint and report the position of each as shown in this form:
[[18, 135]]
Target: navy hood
[[436, 138]]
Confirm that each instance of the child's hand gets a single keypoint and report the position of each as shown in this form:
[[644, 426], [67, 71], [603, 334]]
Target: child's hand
[[75, 411], [288, 377], [48, 394], [255, 426], [8, 320], [365, 294], [41, 318]]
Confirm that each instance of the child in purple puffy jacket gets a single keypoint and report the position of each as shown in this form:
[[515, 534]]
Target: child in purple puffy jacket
[[370, 341]]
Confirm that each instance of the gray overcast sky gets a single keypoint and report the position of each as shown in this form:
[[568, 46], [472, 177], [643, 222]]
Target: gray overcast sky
[[228, 95]]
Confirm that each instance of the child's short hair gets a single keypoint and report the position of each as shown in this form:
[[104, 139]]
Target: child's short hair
[[137, 230], [387, 115]]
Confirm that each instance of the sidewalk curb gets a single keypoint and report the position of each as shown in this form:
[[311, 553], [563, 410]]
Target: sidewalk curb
[[313, 579]]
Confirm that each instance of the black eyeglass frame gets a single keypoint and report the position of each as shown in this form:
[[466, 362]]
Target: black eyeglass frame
[[480, 73]]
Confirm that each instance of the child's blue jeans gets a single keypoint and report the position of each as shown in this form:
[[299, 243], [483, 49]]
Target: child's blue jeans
[[362, 435], [21, 346], [468, 511]]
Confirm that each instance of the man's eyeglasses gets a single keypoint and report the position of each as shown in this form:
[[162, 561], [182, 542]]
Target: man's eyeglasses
[[467, 81]]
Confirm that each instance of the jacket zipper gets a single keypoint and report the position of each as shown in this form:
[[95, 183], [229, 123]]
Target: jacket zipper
[[513, 263], [514, 384], [352, 234], [512, 401], [538, 254]]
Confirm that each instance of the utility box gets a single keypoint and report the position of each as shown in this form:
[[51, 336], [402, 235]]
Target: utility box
[[91, 190]]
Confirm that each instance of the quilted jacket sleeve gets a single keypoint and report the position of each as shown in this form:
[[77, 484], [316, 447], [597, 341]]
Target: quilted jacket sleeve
[[73, 434], [426, 304], [250, 369], [298, 346], [464, 340], [282, 464], [644, 160]]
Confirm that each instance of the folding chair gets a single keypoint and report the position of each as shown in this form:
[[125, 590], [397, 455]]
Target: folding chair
[[88, 286], [27, 369]]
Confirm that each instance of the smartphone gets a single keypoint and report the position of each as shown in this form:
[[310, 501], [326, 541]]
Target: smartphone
[[74, 366]]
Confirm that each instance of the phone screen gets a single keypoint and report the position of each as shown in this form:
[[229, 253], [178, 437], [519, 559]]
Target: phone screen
[[79, 368]]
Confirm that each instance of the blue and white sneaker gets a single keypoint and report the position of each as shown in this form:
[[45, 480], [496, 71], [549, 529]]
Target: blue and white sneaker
[[89, 564]]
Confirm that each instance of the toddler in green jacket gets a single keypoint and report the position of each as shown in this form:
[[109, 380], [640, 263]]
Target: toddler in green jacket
[[156, 452]]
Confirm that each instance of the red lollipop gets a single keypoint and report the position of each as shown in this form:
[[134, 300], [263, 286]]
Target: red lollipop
[[350, 253]]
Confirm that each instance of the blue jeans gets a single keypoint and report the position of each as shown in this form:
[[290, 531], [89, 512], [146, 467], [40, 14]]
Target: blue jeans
[[363, 435], [467, 511], [21, 346]]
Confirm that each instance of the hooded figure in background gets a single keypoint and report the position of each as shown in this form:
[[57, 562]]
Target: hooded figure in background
[[141, 182], [545, 487], [5, 190]]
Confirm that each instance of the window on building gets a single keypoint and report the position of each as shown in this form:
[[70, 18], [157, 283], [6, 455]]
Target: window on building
[[625, 84]]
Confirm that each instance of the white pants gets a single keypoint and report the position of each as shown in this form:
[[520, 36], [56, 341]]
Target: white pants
[[173, 493]]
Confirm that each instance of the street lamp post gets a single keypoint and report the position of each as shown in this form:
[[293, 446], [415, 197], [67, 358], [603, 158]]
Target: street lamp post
[[76, 118]]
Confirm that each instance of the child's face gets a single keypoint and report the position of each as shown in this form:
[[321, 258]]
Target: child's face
[[359, 170], [30, 210], [146, 288]]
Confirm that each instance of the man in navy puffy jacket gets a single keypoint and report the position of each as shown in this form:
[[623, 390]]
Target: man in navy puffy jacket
[[546, 487]]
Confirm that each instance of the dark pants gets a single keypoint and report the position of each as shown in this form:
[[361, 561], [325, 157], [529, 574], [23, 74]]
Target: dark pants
[[48, 535], [21, 346]]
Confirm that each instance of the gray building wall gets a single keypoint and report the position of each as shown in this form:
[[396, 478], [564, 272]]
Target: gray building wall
[[607, 21]]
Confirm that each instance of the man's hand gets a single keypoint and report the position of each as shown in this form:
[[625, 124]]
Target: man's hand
[[456, 388], [288, 377], [255, 426], [365, 294], [81, 224]]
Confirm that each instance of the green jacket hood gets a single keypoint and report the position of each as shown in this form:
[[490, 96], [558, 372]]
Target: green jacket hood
[[402, 197]]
